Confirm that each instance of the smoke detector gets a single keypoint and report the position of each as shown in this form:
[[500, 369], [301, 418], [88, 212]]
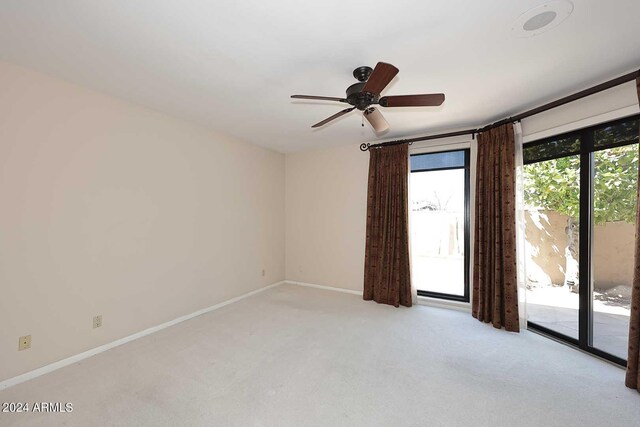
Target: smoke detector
[[542, 18]]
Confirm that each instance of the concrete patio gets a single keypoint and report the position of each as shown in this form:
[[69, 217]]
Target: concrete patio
[[556, 308]]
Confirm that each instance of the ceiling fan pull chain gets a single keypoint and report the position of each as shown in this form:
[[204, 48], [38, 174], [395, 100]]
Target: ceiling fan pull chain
[[362, 117]]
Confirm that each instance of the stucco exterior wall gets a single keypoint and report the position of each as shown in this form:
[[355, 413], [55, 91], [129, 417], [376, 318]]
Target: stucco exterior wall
[[546, 241]]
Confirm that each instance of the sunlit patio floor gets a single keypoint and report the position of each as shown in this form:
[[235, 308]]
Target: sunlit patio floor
[[556, 308]]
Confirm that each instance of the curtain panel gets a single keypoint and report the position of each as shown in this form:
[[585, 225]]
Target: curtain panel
[[495, 295], [387, 277], [633, 360]]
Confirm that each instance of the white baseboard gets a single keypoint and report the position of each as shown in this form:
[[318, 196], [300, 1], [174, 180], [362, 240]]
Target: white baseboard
[[328, 288], [78, 357], [432, 302]]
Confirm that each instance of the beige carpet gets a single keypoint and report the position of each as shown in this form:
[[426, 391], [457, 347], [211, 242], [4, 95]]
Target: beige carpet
[[295, 356]]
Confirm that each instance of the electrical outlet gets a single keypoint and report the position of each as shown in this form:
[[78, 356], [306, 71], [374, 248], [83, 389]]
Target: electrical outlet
[[97, 321], [24, 342], [264, 272]]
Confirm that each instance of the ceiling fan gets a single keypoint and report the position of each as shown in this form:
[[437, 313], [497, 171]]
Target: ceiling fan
[[366, 92]]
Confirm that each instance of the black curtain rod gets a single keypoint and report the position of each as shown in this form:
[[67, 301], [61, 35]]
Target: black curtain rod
[[365, 145], [567, 99]]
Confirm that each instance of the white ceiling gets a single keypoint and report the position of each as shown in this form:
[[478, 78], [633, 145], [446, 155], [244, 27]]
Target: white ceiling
[[231, 65]]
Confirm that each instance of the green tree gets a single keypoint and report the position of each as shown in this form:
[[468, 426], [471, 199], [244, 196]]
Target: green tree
[[555, 185]]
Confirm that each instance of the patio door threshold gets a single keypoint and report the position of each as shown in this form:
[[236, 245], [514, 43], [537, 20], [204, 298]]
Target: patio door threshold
[[575, 344]]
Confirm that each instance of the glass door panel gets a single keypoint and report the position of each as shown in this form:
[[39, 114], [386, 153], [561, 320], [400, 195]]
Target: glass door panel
[[615, 172], [437, 231], [552, 218]]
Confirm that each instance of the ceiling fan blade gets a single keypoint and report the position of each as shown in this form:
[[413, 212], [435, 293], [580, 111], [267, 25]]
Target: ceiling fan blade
[[427, 100], [375, 118], [320, 98], [335, 116], [382, 74]]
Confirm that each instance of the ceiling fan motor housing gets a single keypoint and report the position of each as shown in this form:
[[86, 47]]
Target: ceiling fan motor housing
[[355, 96]]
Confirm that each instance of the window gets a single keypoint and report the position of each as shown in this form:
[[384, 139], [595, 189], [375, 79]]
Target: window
[[439, 222], [580, 209]]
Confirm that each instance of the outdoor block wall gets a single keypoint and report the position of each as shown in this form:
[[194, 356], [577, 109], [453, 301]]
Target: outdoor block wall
[[613, 249]]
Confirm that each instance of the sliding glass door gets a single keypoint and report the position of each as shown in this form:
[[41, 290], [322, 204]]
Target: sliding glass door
[[439, 224], [615, 173], [581, 198], [552, 243]]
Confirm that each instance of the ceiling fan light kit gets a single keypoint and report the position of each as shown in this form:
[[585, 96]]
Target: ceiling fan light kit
[[365, 93], [375, 118]]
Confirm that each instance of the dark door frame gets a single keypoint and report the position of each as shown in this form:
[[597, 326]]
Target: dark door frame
[[467, 223], [586, 151]]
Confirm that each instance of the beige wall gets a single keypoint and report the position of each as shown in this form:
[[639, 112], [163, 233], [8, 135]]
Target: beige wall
[[613, 248], [546, 241], [326, 202], [108, 208]]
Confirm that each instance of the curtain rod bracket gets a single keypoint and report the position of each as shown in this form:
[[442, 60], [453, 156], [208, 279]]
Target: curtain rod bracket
[[365, 146]]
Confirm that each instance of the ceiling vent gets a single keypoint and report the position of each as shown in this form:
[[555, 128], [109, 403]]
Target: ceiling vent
[[542, 18]]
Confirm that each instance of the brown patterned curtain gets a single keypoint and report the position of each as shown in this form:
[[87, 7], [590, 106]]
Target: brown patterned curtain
[[386, 264], [633, 361], [495, 297]]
